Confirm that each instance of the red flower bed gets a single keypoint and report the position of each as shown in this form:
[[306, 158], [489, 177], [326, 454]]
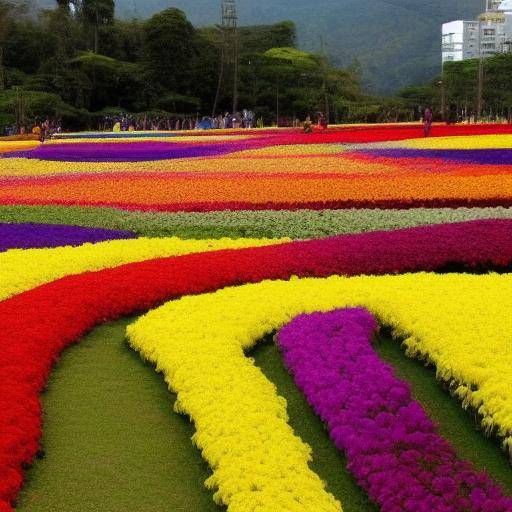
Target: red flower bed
[[381, 133], [39, 324]]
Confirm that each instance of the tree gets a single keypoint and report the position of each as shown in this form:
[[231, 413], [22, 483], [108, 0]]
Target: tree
[[168, 49], [97, 14], [296, 75], [63, 5], [6, 10]]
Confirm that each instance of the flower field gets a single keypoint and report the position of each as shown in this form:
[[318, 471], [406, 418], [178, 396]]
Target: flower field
[[262, 321]]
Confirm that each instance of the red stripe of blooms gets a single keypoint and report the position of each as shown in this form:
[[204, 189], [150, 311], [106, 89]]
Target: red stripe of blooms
[[241, 205], [39, 324]]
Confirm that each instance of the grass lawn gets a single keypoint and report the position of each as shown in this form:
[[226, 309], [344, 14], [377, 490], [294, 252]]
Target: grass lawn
[[112, 441], [114, 444]]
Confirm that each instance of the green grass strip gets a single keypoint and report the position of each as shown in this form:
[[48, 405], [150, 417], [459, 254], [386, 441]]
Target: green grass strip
[[328, 463], [112, 440], [300, 224], [460, 427], [455, 424]]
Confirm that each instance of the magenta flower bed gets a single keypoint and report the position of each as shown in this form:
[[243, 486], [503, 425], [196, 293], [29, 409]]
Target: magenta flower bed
[[31, 236], [393, 448]]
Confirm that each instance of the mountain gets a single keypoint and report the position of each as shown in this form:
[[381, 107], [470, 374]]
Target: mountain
[[396, 42]]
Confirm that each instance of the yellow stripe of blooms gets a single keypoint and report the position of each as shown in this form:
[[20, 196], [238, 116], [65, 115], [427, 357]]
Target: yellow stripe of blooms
[[242, 424], [22, 270], [17, 145], [468, 142], [292, 150], [461, 323], [325, 163]]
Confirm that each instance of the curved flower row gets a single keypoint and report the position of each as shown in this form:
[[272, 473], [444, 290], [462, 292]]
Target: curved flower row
[[17, 145], [492, 141], [472, 245], [299, 224], [133, 152], [346, 133], [393, 448], [328, 160], [307, 161], [27, 236], [456, 321], [36, 327], [26, 269], [176, 192], [474, 156]]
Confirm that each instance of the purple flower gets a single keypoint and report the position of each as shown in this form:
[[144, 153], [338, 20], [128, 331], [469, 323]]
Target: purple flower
[[134, 151], [470, 156], [28, 236], [393, 448]]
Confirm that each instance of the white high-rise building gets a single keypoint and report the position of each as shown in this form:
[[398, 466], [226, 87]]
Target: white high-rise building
[[460, 40], [489, 35]]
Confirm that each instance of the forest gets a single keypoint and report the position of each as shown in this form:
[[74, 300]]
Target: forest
[[76, 61]]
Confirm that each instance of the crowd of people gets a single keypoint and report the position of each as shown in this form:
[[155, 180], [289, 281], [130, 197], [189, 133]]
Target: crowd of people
[[144, 122], [245, 119], [43, 129]]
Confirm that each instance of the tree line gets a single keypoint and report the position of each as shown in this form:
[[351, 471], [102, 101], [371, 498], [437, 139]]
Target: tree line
[[78, 62], [454, 94]]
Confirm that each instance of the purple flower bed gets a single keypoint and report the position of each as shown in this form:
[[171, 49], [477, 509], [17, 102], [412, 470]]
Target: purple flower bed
[[30, 236], [132, 152], [470, 156], [393, 448]]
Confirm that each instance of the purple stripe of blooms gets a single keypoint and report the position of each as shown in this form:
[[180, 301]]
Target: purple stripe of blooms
[[393, 448], [30, 236], [117, 135], [132, 152], [470, 156]]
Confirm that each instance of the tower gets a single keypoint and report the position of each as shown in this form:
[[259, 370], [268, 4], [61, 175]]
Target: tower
[[229, 50], [229, 15]]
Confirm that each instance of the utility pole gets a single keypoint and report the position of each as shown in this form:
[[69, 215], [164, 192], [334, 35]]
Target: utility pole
[[20, 107], [480, 89], [230, 49], [324, 79], [480, 86], [443, 94]]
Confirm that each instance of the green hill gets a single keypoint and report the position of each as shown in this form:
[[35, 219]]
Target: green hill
[[397, 42]]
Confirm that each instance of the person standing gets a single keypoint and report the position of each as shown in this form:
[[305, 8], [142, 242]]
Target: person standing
[[427, 122], [322, 121]]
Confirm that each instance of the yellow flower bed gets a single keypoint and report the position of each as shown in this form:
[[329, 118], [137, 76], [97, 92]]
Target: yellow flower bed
[[22, 270], [6, 146], [462, 323], [291, 150], [258, 161], [467, 142]]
